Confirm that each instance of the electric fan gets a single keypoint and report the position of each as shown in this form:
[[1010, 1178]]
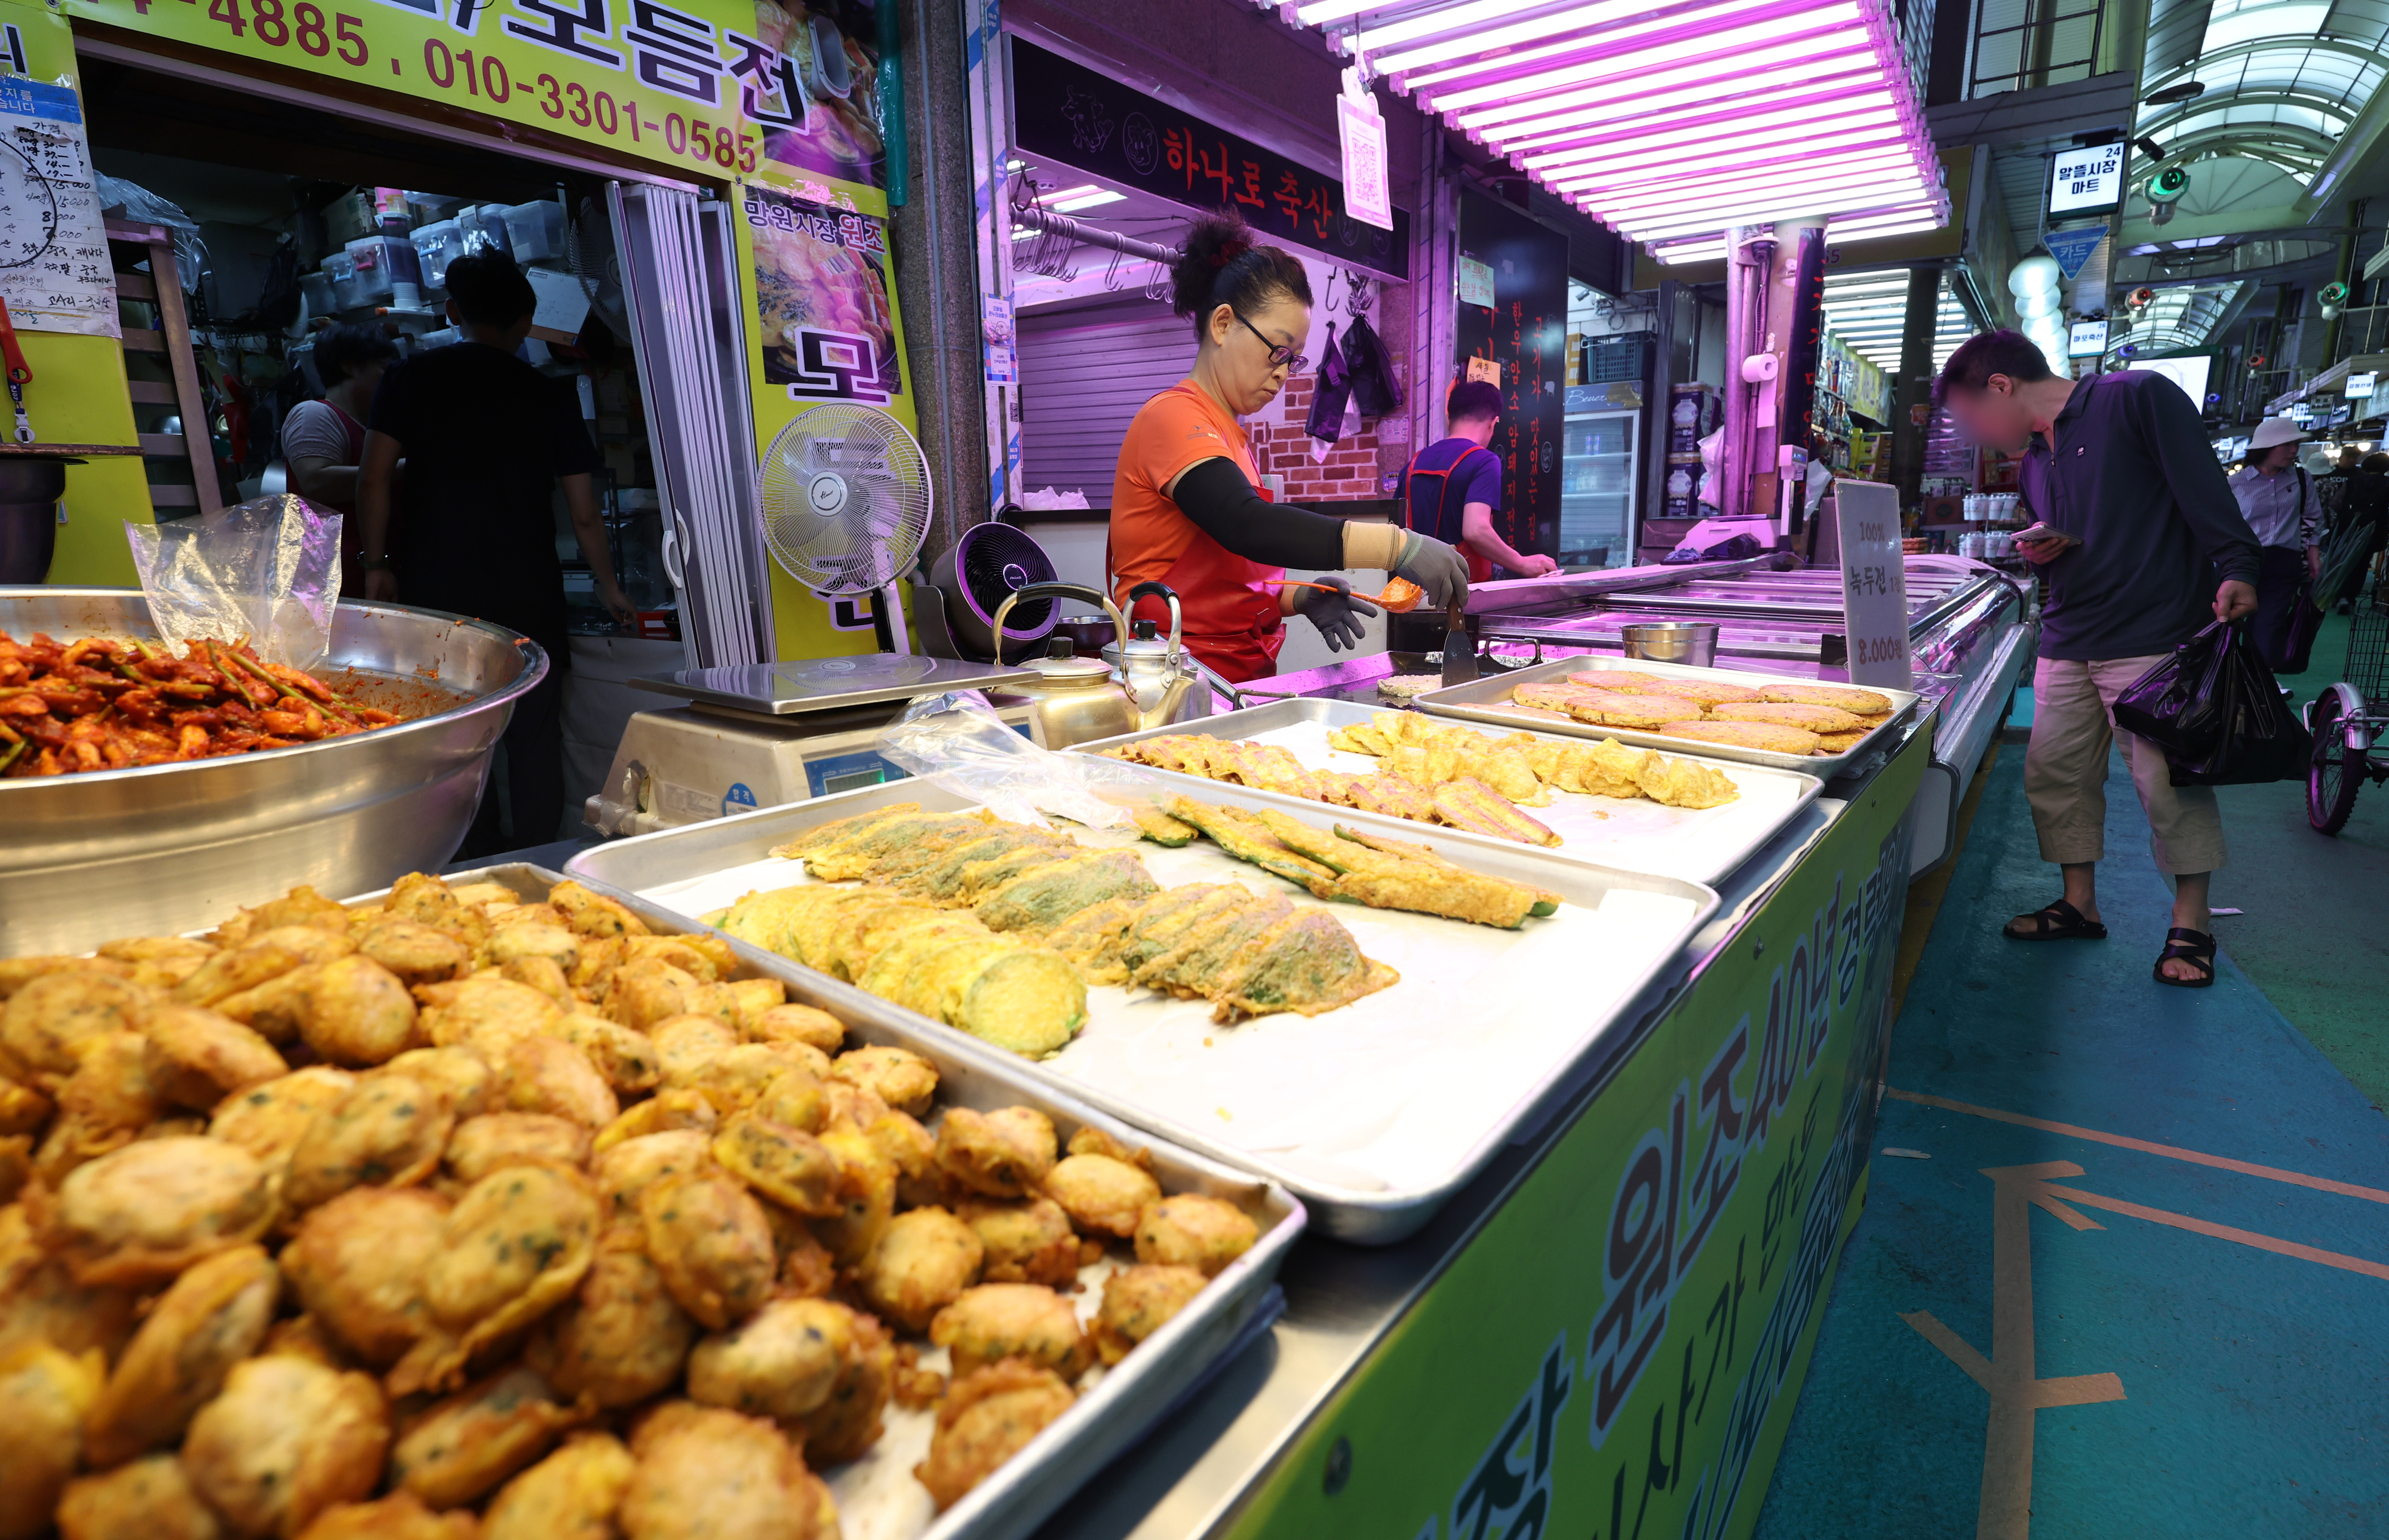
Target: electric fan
[[845, 500]]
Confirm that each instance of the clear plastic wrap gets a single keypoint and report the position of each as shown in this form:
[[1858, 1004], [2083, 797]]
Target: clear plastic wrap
[[268, 570], [958, 743]]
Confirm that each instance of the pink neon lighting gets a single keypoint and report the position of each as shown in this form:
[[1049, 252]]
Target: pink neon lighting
[[1671, 122]]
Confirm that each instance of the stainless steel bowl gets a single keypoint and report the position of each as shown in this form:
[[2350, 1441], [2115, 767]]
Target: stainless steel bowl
[[1693, 642], [170, 847]]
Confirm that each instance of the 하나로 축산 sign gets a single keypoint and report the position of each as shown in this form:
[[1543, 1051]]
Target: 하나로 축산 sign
[[772, 92], [1067, 114]]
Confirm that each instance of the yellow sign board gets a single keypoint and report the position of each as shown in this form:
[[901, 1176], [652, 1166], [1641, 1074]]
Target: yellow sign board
[[689, 85]]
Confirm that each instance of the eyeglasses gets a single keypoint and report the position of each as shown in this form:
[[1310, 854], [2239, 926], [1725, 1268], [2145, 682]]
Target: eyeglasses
[[1285, 355]]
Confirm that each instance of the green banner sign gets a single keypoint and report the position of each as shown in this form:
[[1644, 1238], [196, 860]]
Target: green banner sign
[[1616, 1354]]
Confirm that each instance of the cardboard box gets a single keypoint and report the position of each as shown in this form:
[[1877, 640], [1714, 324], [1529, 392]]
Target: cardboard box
[[563, 305]]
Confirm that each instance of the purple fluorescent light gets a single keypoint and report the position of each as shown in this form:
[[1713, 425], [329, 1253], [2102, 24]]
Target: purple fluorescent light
[[1823, 198], [1830, 54], [1373, 41], [1451, 43], [1584, 129], [1682, 26], [1626, 149], [1666, 187], [1659, 164], [1737, 50]]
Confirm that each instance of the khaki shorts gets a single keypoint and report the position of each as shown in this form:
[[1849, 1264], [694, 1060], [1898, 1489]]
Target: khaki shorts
[[2066, 771]]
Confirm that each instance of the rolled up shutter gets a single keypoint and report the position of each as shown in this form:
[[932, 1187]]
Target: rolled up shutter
[[1084, 374]]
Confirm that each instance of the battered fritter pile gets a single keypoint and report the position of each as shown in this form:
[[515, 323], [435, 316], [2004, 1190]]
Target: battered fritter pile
[[1348, 864], [458, 1214], [1462, 802], [1001, 971], [1792, 718], [98, 704], [1527, 768]]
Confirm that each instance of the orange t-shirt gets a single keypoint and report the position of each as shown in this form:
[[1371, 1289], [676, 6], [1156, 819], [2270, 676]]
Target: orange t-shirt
[[1233, 619]]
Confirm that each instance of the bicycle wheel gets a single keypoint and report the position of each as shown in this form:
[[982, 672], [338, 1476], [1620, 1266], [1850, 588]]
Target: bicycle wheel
[[2335, 771]]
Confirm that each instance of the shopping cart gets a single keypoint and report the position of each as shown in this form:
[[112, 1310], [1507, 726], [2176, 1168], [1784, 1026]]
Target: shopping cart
[[2349, 717]]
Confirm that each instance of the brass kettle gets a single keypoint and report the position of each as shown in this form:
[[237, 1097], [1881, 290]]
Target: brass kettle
[[1149, 683]]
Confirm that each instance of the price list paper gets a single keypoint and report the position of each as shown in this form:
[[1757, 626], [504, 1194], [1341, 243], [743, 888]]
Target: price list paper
[[1875, 584], [55, 271]]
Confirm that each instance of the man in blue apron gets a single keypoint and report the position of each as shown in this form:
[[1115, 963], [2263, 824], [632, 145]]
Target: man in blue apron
[[1451, 488]]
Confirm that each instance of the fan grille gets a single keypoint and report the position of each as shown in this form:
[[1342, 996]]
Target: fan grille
[[844, 499], [998, 560]]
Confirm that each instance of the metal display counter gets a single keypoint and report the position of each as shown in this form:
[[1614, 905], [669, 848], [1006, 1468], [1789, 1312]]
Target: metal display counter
[[1605, 1332]]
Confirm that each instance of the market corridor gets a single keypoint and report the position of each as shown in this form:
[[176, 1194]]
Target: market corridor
[[2187, 1338]]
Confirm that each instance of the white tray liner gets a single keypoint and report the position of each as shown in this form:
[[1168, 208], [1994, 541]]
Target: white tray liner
[[1388, 1093]]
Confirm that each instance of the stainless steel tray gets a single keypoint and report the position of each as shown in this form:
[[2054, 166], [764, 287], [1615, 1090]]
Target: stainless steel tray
[[1701, 845], [1339, 1206], [1137, 1391], [1479, 702]]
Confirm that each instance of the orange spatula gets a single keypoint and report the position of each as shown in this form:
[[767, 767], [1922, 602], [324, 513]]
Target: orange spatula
[[1400, 597]]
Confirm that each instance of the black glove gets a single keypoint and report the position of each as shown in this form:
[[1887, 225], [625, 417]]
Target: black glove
[[1338, 615], [1434, 567]]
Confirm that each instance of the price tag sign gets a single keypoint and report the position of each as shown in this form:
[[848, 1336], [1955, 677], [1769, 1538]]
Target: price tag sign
[[1363, 135], [1875, 584]]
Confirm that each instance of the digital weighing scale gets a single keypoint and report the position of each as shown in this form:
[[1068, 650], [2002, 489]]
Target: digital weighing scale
[[762, 734]]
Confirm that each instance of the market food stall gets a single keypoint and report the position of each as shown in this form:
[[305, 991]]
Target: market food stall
[[1567, 1060]]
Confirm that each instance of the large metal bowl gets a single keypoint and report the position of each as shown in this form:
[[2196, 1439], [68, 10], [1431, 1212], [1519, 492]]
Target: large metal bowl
[[170, 847]]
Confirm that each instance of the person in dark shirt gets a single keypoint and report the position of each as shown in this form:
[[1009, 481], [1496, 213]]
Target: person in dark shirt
[[486, 439], [2149, 546], [1453, 486]]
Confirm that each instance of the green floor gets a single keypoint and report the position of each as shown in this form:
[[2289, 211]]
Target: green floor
[[2316, 934]]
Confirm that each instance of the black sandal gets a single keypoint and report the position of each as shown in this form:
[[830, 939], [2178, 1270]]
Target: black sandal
[[2058, 922], [2185, 944]]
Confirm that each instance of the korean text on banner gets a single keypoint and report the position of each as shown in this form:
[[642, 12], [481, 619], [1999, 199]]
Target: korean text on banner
[[776, 92], [1875, 584], [1362, 130], [55, 271], [1003, 340]]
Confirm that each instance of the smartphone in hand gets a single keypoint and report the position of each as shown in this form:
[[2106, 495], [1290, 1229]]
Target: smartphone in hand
[[2040, 532]]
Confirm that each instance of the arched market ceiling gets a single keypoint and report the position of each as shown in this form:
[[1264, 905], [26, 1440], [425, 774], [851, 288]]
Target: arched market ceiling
[[2284, 79]]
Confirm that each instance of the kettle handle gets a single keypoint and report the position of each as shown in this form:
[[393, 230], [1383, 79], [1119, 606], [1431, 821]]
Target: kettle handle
[[1177, 617], [1055, 590]]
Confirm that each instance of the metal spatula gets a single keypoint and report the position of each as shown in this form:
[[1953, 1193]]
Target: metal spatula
[[1459, 648]]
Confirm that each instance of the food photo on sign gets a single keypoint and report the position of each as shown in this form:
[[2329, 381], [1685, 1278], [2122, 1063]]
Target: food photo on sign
[[822, 299], [823, 114]]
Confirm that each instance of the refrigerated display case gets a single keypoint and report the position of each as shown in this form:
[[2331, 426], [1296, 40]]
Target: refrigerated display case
[[1597, 482]]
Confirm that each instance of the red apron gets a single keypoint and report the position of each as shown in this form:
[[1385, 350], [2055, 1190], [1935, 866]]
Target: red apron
[[1479, 569], [1230, 621]]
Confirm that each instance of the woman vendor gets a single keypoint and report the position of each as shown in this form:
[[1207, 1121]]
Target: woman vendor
[[1186, 508]]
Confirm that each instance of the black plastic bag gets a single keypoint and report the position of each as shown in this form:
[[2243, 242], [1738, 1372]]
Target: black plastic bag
[[2257, 739], [2178, 704], [1331, 391]]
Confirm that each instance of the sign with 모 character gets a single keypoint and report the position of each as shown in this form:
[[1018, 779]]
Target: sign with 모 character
[[1066, 114]]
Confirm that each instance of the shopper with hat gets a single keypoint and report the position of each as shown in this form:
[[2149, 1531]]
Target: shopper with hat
[[2278, 499]]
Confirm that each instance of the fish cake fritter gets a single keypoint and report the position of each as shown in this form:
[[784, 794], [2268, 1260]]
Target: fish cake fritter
[[1005, 1153], [571, 1495], [461, 1448], [356, 1012], [357, 1265], [1101, 1193], [705, 1471], [710, 1241], [1686, 784], [400, 1516], [1771, 736], [1859, 703], [46, 1023], [214, 1317], [43, 1395], [514, 1247], [621, 1338], [148, 1499], [387, 1131], [143, 1214], [1841, 742], [1819, 719], [995, 1321], [206, 1057], [1029, 1242], [902, 1078], [788, 1166], [1548, 694], [1192, 1230], [287, 1439], [1138, 1301], [1619, 708], [922, 1262], [480, 1145], [1710, 694], [985, 1419], [782, 1363]]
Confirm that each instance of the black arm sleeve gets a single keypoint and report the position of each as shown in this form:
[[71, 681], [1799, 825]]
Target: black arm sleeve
[[1225, 506]]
